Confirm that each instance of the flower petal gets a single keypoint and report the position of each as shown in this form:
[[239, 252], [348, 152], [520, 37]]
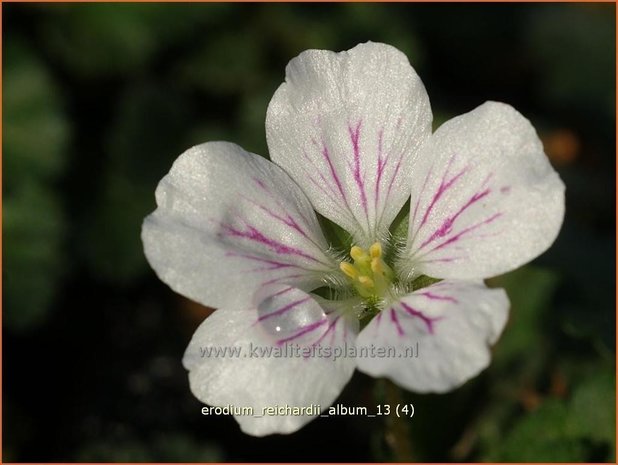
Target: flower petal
[[452, 322], [487, 200], [229, 221], [346, 127], [286, 357]]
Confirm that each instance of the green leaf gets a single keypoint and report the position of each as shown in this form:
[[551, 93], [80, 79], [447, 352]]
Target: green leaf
[[530, 291], [35, 129], [171, 447], [339, 239], [557, 38], [399, 226], [545, 435], [33, 229], [593, 409], [230, 63], [35, 142], [126, 37]]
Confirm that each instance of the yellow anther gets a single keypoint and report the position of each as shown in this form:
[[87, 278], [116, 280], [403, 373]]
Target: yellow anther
[[349, 269], [357, 253], [376, 265], [369, 275], [375, 250], [366, 281]]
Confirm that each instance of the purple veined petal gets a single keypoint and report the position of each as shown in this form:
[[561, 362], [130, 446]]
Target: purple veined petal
[[347, 126], [273, 355], [228, 222], [439, 335], [290, 315], [487, 200]]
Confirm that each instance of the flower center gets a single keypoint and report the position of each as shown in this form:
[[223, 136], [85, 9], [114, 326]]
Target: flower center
[[368, 273]]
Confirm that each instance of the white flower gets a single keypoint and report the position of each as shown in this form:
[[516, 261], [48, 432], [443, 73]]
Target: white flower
[[350, 137]]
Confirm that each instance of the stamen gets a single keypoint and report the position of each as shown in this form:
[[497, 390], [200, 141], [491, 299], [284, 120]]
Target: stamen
[[357, 253], [370, 276], [349, 269], [375, 250], [376, 265]]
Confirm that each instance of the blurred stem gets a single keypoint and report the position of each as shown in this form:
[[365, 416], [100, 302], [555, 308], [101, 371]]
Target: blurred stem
[[397, 429]]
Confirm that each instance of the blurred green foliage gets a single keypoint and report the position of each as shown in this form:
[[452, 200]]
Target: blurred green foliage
[[36, 134], [99, 99], [166, 448], [556, 37]]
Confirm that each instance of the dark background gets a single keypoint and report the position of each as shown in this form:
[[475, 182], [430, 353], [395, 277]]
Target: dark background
[[100, 99]]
